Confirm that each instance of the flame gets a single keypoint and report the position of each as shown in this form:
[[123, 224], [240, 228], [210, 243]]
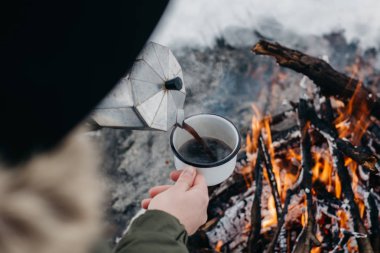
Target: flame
[[351, 123], [247, 228], [338, 187], [361, 206], [293, 155], [276, 169], [322, 169], [256, 125], [304, 214], [343, 219], [218, 246], [288, 179], [248, 144], [247, 175], [353, 119], [320, 238], [326, 174], [352, 165], [317, 166], [252, 145], [272, 217]]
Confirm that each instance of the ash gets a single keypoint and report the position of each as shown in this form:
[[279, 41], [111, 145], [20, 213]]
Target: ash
[[225, 79]]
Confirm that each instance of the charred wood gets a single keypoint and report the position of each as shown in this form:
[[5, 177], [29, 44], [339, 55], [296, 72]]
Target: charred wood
[[375, 224], [374, 131], [331, 82], [286, 137], [281, 222], [229, 228], [254, 240], [307, 238], [338, 162], [361, 155], [272, 179], [344, 239]]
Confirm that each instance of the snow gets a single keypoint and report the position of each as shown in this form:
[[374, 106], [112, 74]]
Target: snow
[[198, 22]]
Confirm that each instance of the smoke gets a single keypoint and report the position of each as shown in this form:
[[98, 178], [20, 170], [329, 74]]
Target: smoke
[[199, 22]]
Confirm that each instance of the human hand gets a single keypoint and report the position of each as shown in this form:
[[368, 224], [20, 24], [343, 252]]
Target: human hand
[[186, 200]]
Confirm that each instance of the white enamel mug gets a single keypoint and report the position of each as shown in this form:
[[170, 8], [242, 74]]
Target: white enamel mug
[[213, 126]]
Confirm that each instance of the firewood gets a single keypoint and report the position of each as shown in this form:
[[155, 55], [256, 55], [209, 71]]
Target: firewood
[[272, 179], [331, 82], [254, 239], [361, 155], [229, 228], [375, 224], [338, 163], [281, 222], [307, 238], [286, 137], [374, 131], [346, 236]]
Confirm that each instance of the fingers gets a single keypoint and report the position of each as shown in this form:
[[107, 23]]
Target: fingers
[[158, 189], [145, 203], [174, 175], [200, 183], [186, 179]]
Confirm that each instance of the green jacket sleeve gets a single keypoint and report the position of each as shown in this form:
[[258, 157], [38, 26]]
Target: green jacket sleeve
[[154, 232]]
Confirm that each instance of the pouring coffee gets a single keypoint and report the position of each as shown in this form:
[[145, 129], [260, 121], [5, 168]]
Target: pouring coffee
[[219, 134]]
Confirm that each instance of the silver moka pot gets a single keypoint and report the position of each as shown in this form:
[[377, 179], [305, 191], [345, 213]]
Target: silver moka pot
[[151, 96]]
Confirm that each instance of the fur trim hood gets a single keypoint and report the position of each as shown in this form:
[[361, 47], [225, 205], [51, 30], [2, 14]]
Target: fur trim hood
[[52, 203]]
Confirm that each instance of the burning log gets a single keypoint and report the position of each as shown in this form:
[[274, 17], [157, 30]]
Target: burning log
[[307, 238], [254, 242], [304, 182], [374, 131], [338, 161], [344, 239], [272, 179], [276, 119], [375, 225], [331, 82], [285, 138], [361, 155], [230, 228], [281, 222]]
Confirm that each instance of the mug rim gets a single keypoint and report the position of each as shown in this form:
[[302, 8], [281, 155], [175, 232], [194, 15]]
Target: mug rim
[[213, 164]]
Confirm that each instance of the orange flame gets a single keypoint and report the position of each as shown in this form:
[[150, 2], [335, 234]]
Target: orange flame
[[304, 214], [353, 119], [351, 123], [338, 187], [276, 169], [256, 126], [322, 169], [219, 245], [343, 219], [272, 217]]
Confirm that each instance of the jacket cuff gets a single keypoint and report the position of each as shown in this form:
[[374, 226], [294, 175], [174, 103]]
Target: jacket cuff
[[159, 221]]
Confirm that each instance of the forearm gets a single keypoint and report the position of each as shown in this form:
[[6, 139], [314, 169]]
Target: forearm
[[154, 231]]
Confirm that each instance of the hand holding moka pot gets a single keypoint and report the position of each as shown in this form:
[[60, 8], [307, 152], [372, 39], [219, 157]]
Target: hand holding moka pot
[[150, 97]]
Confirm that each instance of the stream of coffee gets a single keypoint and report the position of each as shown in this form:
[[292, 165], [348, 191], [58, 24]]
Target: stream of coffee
[[199, 139]]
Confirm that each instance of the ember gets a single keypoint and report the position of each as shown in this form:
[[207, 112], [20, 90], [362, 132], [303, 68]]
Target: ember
[[312, 187]]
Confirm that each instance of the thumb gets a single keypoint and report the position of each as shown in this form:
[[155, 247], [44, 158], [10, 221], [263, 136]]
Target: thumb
[[186, 179]]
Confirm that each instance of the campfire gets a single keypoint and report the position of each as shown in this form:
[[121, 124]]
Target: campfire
[[308, 178]]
